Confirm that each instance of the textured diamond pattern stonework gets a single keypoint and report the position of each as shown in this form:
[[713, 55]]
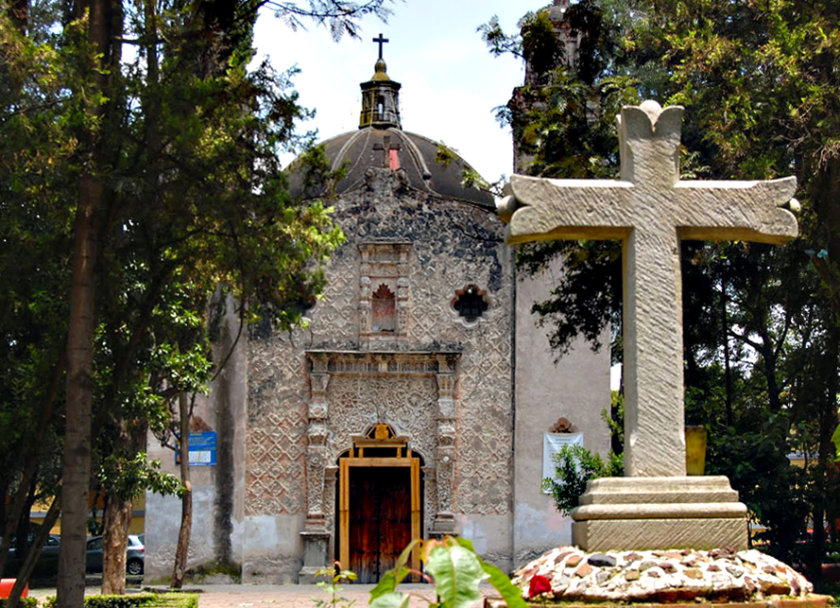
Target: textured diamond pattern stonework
[[276, 443], [277, 464]]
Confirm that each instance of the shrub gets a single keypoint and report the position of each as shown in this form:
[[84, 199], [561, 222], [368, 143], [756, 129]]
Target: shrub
[[574, 467], [454, 568], [25, 602], [146, 600]]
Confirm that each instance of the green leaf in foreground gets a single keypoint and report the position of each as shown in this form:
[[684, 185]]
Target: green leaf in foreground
[[391, 600], [500, 581], [457, 572]]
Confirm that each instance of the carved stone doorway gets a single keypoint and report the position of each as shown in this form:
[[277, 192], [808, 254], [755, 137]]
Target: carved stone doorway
[[380, 498]]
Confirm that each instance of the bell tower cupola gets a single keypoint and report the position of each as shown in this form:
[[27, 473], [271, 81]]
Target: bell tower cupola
[[380, 96]]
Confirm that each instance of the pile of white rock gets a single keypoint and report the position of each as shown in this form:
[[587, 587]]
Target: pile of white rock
[[679, 575]]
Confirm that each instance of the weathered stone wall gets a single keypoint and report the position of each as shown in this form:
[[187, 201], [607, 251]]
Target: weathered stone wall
[[453, 244], [218, 491], [576, 387]]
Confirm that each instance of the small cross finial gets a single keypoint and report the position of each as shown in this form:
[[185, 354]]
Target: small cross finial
[[381, 41]]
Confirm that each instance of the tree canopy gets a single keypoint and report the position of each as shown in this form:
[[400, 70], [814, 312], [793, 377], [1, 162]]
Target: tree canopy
[[134, 185], [761, 332]]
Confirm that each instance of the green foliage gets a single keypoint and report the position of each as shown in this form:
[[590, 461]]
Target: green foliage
[[24, 602], [453, 567], [183, 137], [615, 418], [575, 466], [126, 477], [444, 155], [762, 324], [146, 600], [175, 600], [540, 47], [332, 586]]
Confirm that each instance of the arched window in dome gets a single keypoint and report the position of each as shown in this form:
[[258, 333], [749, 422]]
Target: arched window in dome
[[383, 305]]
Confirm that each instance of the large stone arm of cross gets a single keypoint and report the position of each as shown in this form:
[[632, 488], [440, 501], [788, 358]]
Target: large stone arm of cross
[[575, 209], [757, 211], [543, 209]]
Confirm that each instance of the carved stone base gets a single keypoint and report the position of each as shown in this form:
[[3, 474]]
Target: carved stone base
[[443, 525], [623, 513], [315, 548]]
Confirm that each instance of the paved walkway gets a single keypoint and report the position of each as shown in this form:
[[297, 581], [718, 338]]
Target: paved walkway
[[295, 596], [282, 596]]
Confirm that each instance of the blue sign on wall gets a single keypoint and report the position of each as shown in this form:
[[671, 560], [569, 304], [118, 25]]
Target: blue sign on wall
[[202, 449]]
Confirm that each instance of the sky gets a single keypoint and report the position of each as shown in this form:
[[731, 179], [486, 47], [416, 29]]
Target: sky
[[450, 82]]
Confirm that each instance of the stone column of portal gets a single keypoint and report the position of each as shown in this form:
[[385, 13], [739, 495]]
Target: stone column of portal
[[402, 295], [444, 522], [316, 536]]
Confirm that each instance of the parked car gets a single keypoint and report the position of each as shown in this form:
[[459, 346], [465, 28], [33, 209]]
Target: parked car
[[134, 559], [47, 564]]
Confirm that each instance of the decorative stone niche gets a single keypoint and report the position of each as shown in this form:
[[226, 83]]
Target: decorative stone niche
[[383, 308], [384, 303]]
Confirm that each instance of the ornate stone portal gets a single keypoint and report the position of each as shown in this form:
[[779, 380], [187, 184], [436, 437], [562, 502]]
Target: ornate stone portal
[[650, 210], [380, 388]]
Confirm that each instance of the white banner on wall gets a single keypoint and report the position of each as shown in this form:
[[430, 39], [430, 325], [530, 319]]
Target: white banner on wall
[[552, 442]]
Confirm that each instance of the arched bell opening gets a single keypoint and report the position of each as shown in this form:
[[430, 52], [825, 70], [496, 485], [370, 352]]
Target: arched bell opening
[[379, 503]]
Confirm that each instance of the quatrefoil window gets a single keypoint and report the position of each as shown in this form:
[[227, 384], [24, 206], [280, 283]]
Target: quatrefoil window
[[470, 302]]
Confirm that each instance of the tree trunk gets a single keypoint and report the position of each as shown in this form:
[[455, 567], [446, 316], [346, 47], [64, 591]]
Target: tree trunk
[[104, 24], [182, 551], [28, 564], [827, 421], [727, 367], [15, 509], [116, 520], [77, 436], [118, 513]]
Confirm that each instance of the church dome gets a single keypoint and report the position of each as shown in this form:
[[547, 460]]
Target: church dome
[[380, 144], [423, 164]]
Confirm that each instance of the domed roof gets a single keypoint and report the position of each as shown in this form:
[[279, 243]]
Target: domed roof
[[380, 145], [426, 166]]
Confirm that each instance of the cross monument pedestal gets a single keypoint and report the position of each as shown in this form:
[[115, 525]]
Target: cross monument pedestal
[[650, 210]]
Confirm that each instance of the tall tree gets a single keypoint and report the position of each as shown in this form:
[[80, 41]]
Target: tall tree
[[758, 83], [169, 166], [35, 153], [103, 21]]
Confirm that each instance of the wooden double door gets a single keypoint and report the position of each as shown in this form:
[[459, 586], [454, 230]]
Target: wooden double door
[[379, 509]]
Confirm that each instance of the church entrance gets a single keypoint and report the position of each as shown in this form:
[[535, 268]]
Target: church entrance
[[379, 503], [380, 519]]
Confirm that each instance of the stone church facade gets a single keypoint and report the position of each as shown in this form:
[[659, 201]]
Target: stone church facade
[[413, 404]]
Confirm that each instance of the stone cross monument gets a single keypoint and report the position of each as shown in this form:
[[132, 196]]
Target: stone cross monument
[[650, 210]]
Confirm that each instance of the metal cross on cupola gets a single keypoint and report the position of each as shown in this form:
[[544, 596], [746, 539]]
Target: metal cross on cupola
[[650, 210], [380, 40], [380, 96]]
